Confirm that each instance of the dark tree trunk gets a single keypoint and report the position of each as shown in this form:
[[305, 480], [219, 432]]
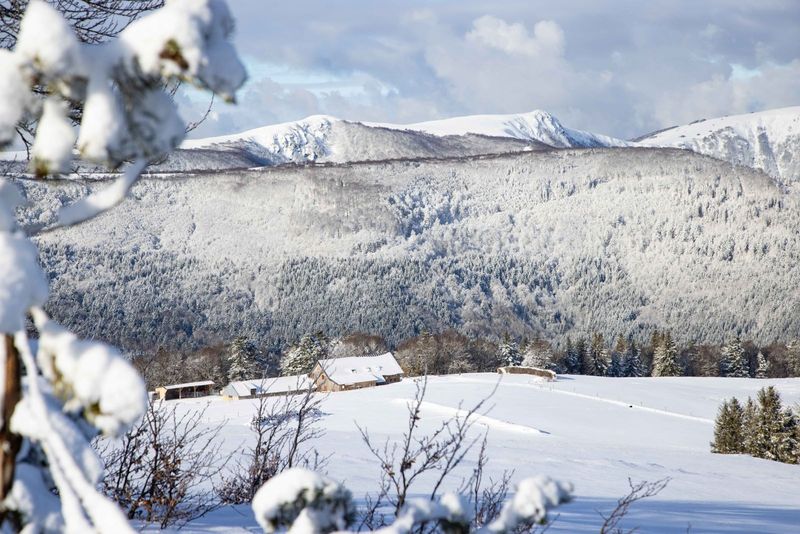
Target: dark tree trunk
[[9, 442]]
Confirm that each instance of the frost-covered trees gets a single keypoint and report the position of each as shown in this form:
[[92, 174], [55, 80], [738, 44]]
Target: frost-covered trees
[[81, 388], [508, 352], [573, 360], [764, 428], [734, 361], [244, 360], [762, 366], [665, 357], [539, 354], [632, 362], [302, 357], [597, 360]]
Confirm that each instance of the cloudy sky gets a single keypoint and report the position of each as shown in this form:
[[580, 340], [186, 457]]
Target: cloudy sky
[[619, 67]]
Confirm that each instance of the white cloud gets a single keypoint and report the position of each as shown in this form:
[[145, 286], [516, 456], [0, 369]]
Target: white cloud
[[547, 38]]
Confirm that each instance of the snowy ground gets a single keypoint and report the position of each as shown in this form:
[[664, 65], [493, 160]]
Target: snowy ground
[[594, 432]]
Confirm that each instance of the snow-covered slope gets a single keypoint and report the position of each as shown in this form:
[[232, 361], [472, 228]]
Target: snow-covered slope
[[593, 432], [551, 243], [768, 140], [322, 138], [537, 125]]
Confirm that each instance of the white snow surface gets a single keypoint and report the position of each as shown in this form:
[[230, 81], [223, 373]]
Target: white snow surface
[[767, 140], [595, 433]]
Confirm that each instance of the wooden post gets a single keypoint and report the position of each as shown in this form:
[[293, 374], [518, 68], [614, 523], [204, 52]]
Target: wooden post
[[10, 443]]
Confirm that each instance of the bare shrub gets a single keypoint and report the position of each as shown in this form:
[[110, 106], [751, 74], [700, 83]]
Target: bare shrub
[[164, 470], [283, 427], [638, 491]]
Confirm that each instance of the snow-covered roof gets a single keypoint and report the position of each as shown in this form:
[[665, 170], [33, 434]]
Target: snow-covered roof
[[359, 369], [283, 384], [190, 384]]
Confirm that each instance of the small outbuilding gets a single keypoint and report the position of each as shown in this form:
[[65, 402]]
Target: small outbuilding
[[266, 387], [341, 374], [547, 374], [189, 390]]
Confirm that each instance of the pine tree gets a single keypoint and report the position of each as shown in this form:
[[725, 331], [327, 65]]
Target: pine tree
[[749, 421], [509, 352], [728, 428], [301, 358], [788, 449], [768, 428], [572, 359], [734, 363], [793, 357], [615, 369], [243, 360], [632, 365], [596, 359], [762, 366], [665, 359]]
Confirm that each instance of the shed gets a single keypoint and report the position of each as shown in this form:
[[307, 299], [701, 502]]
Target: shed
[[547, 374], [266, 387], [189, 390], [340, 374]]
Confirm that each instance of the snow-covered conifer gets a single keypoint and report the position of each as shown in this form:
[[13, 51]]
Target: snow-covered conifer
[[300, 358], [728, 428], [665, 358], [508, 352], [734, 362], [762, 366], [244, 360], [632, 364], [572, 359]]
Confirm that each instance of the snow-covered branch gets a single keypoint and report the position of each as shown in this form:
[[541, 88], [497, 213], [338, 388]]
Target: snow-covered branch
[[76, 388]]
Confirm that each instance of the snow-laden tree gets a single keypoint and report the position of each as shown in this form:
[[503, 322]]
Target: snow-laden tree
[[302, 357], [573, 361], [77, 389], [665, 358], [762, 366], [632, 362], [734, 361], [508, 352], [729, 428], [539, 354], [244, 360]]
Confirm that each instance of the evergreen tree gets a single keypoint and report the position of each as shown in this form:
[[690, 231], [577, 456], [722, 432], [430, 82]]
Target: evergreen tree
[[728, 428], [793, 357], [632, 365], [509, 352], [788, 447], [762, 366], [749, 419], [596, 360], [768, 428], [572, 359], [734, 363], [243, 360], [301, 358], [665, 358], [615, 368]]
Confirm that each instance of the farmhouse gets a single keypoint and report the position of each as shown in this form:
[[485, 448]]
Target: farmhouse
[[341, 374], [189, 390], [266, 387]]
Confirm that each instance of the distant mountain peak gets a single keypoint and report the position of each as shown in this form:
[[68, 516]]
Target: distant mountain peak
[[765, 140]]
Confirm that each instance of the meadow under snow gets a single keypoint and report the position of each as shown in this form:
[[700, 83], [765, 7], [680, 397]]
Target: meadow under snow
[[594, 432]]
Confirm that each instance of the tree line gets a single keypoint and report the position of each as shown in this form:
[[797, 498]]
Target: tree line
[[451, 352]]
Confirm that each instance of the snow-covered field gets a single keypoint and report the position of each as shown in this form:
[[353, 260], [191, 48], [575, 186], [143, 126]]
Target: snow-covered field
[[593, 432]]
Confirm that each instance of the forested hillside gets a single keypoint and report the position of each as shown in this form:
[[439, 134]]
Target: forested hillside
[[548, 244]]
